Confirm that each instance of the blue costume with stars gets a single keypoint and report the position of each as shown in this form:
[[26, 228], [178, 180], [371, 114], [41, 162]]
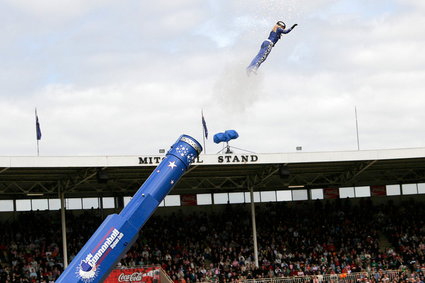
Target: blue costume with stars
[[267, 45]]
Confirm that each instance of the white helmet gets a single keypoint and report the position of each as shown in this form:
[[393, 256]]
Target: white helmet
[[281, 24]]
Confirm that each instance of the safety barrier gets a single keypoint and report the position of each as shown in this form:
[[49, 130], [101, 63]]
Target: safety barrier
[[353, 277]]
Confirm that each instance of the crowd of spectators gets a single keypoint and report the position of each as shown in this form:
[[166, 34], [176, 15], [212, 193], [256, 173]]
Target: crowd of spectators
[[294, 239]]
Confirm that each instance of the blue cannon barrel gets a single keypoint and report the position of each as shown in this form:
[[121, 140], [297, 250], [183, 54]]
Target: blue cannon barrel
[[118, 232]]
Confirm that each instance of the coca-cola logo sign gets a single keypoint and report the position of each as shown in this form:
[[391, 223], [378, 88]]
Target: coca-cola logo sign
[[134, 277]]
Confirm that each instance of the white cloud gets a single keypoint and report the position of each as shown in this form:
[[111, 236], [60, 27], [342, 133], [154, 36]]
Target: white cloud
[[47, 10], [129, 78]]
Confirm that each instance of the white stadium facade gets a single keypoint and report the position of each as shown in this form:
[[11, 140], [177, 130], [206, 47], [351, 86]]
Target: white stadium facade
[[38, 182]]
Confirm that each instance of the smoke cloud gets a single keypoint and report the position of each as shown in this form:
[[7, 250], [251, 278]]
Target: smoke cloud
[[235, 90]]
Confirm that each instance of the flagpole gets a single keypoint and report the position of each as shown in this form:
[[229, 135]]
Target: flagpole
[[36, 136], [357, 128], [203, 131], [37, 132]]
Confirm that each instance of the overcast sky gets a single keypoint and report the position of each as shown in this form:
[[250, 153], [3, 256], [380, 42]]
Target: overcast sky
[[129, 77]]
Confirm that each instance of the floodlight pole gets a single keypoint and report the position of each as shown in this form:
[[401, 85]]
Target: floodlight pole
[[254, 225]]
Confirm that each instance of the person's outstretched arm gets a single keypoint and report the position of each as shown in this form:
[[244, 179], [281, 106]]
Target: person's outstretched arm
[[288, 30]]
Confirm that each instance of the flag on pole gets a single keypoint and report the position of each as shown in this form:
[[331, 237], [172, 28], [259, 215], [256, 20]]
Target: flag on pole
[[204, 124], [37, 126]]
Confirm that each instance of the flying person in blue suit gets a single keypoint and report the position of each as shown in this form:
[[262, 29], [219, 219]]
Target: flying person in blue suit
[[267, 46]]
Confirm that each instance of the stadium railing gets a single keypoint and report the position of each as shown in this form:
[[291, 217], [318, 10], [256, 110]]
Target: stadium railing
[[332, 278]]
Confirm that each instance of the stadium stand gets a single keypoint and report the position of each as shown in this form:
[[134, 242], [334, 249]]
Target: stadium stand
[[309, 241], [366, 226]]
